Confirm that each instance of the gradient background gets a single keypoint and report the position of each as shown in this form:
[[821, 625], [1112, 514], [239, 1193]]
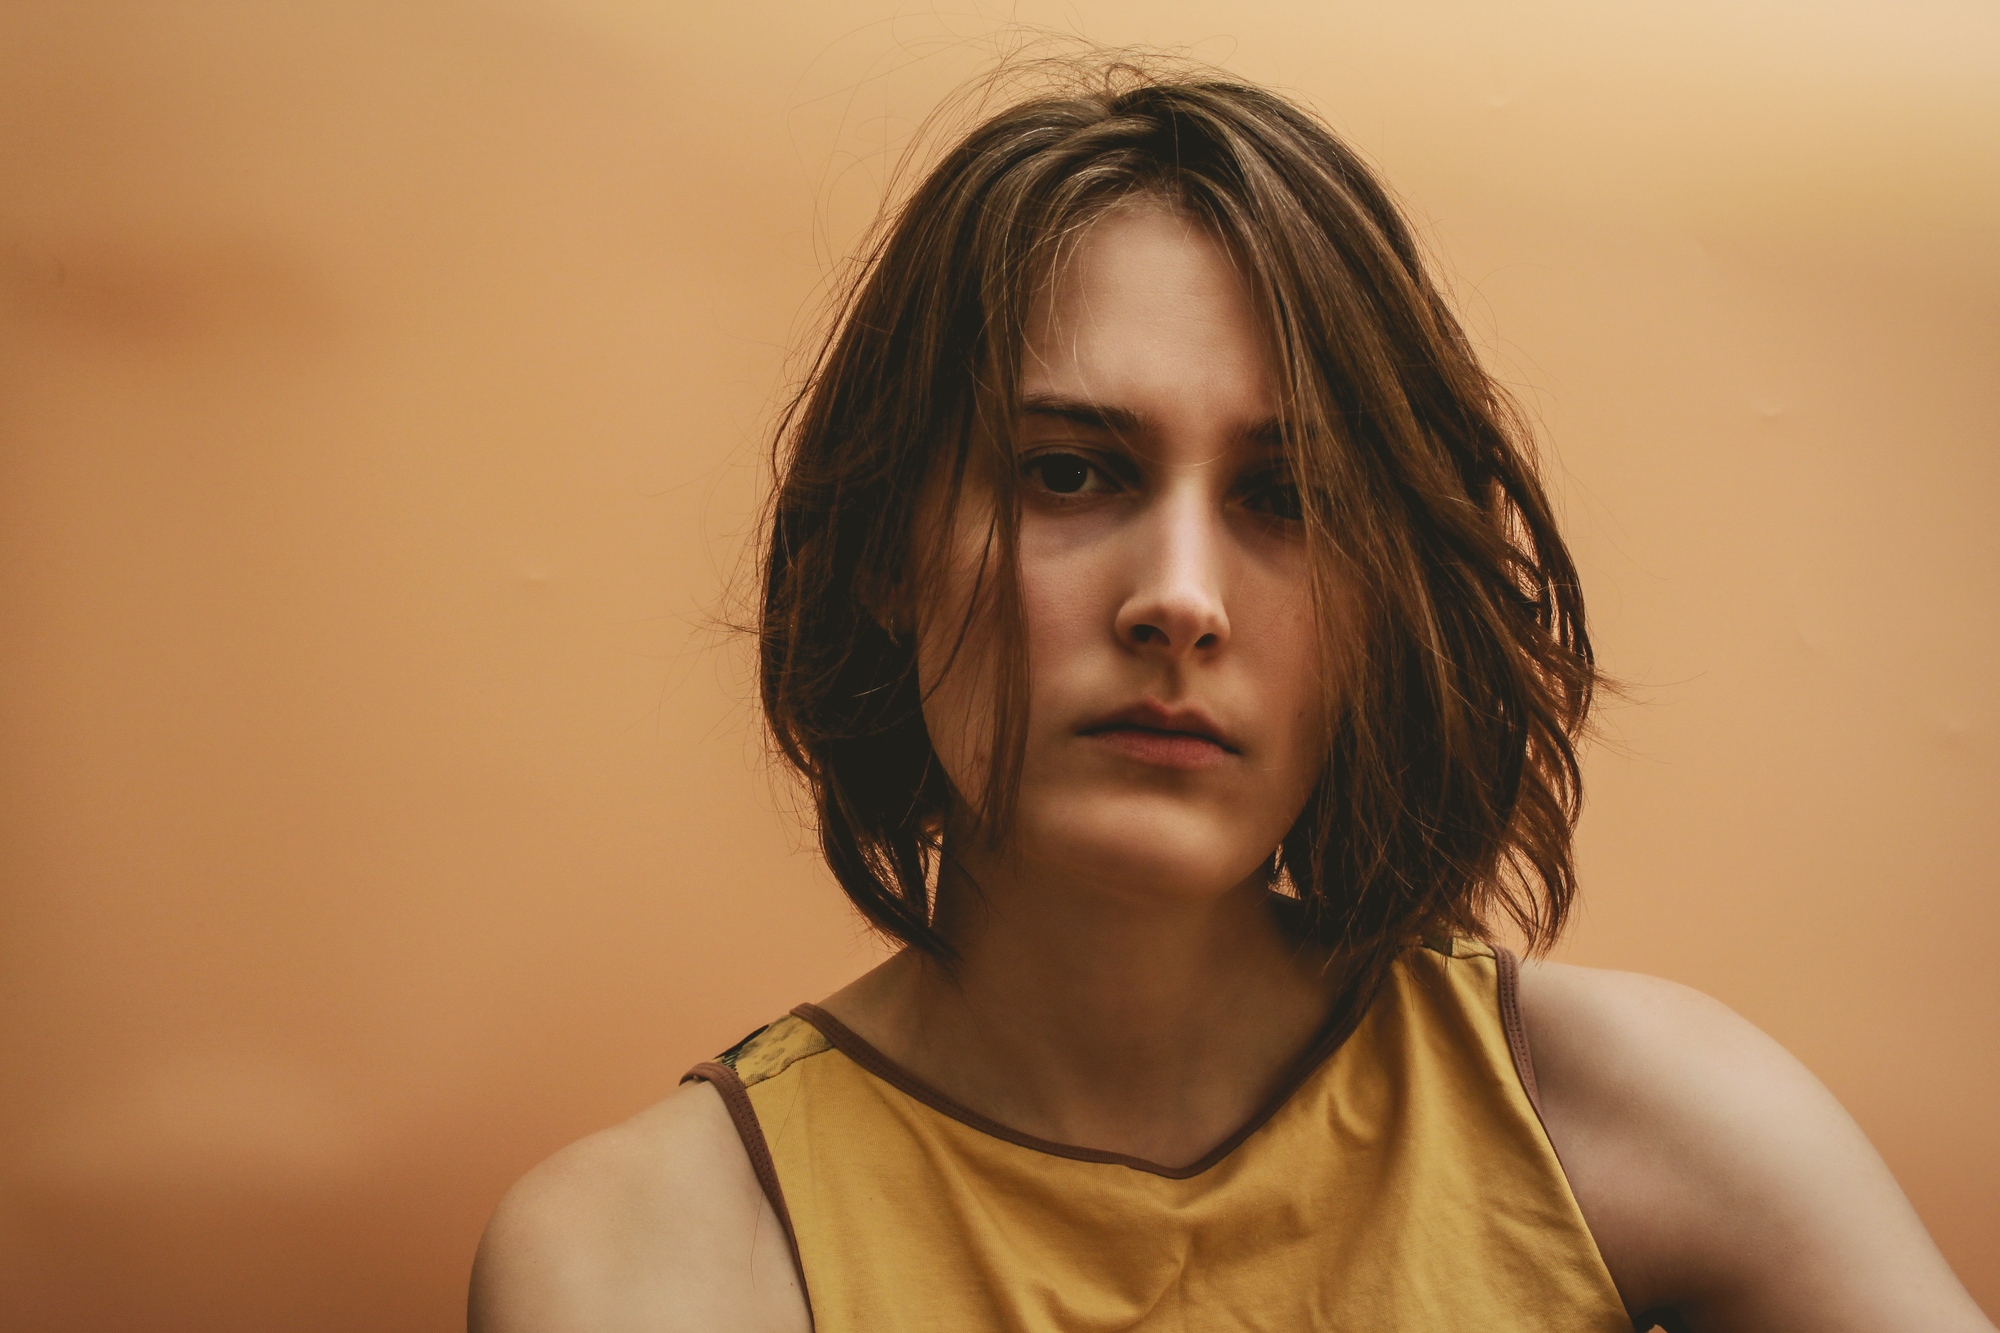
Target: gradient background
[[382, 397]]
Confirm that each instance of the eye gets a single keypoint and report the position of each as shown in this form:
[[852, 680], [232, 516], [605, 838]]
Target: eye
[[1066, 474], [1274, 494]]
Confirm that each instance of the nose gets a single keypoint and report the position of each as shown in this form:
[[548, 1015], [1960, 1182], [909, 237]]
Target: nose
[[1175, 605]]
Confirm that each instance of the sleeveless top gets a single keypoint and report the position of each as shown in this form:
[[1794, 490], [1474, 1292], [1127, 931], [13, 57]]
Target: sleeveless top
[[1401, 1179]]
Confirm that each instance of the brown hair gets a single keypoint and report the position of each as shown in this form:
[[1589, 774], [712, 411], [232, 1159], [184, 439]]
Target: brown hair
[[1451, 786]]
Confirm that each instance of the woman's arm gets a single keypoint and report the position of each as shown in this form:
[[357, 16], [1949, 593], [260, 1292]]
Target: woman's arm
[[1722, 1181], [656, 1225]]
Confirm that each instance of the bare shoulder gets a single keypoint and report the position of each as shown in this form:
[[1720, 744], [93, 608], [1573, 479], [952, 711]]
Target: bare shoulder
[[657, 1224], [1721, 1180]]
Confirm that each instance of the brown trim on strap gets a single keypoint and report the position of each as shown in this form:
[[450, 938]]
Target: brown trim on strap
[[1509, 988], [1510, 1020], [736, 1098], [856, 1048], [1517, 1041]]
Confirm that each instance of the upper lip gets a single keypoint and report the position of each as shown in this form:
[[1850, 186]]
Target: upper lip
[[1154, 715]]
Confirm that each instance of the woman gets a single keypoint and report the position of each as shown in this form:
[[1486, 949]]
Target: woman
[[1163, 609]]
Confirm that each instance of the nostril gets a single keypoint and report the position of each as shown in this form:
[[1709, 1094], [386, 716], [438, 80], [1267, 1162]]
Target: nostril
[[1145, 634], [1205, 641]]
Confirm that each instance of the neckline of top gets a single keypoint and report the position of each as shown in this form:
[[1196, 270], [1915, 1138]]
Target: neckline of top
[[857, 1048]]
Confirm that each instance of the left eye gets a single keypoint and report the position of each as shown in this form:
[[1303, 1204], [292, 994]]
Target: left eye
[[1061, 474], [1275, 496]]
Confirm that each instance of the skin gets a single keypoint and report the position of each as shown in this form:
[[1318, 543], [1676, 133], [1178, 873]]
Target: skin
[[1125, 983]]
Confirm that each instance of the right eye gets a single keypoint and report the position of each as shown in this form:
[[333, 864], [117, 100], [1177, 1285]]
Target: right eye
[[1066, 474]]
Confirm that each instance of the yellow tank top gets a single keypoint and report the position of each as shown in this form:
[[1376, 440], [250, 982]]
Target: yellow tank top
[[1402, 1180]]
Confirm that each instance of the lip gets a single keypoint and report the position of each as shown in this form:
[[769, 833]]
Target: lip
[[1166, 735]]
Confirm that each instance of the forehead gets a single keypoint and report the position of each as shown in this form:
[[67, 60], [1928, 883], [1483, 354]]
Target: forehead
[[1149, 313]]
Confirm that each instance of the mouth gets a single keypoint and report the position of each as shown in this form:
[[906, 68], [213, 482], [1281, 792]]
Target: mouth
[[1162, 735]]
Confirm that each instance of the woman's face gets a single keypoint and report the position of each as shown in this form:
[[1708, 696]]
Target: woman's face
[[1173, 729]]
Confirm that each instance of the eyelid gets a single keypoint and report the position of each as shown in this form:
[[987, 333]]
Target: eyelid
[[1275, 474]]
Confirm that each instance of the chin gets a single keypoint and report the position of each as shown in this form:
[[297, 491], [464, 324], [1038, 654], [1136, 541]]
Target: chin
[[1144, 847]]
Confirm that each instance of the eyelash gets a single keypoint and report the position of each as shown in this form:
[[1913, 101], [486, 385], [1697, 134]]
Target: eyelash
[[1286, 509]]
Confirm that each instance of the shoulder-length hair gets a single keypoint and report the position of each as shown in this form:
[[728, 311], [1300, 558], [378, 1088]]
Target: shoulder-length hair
[[1450, 788]]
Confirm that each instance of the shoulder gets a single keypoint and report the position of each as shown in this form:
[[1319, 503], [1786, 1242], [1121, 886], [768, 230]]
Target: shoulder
[[656, 1224], [1719, 1177]]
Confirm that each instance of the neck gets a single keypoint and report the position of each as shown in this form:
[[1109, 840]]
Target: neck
[[1149, 1025]]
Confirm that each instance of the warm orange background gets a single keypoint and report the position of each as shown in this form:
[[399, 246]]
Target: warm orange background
[[380, 418]]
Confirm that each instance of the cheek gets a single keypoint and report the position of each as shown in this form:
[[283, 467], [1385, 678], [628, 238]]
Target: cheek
[[1295, 632], [1065, 614], [1065, 621], [1291, 677]]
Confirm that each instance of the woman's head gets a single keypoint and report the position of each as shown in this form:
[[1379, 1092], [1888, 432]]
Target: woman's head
[[1143, 416]]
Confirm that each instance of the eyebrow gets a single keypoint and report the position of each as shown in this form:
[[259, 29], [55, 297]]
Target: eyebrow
[[1082, 412], [1123, 421]]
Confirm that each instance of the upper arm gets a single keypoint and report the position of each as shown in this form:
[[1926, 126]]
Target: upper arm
[[1720, 1179], [658, 1224]]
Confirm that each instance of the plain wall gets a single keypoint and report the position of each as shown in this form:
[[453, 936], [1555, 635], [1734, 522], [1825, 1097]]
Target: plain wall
[[382, 397]]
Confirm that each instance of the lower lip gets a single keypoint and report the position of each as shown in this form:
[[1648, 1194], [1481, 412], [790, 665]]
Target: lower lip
[[1161, 748]]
